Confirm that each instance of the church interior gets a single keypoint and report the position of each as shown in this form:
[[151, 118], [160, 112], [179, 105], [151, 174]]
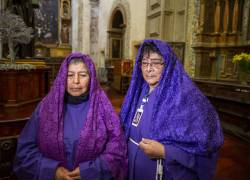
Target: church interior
[[206, 35]]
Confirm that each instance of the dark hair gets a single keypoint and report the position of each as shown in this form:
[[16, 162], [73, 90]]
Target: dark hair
[[148, 48]]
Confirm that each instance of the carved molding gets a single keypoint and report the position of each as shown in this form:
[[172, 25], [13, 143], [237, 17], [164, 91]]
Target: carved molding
[[155, 14], [181, 12], [154, 4], [168, 13]]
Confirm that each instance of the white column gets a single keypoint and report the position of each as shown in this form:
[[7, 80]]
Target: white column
[[75, 45], [94, 31], [80, 26], [85, 25]]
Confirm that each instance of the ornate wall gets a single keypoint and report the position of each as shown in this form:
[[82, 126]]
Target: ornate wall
[[219, 38], [166, 20]]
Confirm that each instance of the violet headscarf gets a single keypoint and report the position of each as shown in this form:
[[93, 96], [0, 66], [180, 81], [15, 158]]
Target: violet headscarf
[[101, 135], [182, 115]]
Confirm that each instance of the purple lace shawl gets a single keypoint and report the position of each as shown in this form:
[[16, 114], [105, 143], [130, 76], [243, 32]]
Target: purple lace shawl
[[182, 115], [101, 135]]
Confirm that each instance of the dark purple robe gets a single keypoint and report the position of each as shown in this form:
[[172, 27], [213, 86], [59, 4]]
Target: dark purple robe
[[178, 164], [181, 118], [31, 164], [97, 142]]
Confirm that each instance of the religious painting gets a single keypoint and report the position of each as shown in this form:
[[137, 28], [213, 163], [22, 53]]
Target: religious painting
[[46, 21], [127, 67], [116, 48]]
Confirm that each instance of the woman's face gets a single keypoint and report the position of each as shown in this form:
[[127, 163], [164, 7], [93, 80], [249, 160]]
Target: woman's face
[[152, 65], [78, 79]]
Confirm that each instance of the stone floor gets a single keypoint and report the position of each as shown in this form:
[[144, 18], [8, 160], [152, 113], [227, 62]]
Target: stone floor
[[234, 159]]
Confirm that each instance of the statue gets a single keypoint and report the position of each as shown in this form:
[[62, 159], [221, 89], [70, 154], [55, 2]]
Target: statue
[[65, 33]]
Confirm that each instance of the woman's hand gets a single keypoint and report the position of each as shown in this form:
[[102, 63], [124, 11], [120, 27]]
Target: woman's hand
[[153, 149], [62, 174], [75, 174]]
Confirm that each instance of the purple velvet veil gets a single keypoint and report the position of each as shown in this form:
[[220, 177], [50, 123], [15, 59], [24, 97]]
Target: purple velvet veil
[[101, 134], [182, 115]]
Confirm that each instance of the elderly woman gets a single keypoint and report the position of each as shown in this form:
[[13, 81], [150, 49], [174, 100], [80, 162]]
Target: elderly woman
[[74, 133], [173, 131]]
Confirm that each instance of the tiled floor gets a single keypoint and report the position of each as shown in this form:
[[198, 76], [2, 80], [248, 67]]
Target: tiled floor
[[234, 159]]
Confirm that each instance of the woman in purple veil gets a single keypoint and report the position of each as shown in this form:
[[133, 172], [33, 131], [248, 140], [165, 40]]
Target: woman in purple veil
[[74, 133], [173, 131]]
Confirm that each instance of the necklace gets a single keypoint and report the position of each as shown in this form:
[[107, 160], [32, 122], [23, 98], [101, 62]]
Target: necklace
[[139, 111]]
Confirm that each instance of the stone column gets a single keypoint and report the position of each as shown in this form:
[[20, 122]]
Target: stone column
[[94, 12], [226, 16], [74, 31], [201, 16], [77, 25], [235, 16], [217, 17]]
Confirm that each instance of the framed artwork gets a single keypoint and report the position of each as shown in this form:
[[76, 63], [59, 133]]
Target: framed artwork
[[126, 67], [116, 48], [46, 19]]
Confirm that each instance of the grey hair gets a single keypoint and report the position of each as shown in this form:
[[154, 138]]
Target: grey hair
[[76, 61]]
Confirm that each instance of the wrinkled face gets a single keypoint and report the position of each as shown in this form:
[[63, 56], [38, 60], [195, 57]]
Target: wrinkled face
[[78, 79], [152, 65]]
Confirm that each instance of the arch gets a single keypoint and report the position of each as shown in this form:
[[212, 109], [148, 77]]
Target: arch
[[121, 7], [116, 32], [117, 19]]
